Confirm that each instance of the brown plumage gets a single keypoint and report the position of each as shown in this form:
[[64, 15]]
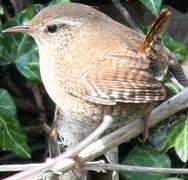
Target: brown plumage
[[156, 28], [89, 61]]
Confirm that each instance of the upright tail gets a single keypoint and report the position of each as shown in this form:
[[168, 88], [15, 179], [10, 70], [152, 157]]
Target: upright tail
[[158, 26]]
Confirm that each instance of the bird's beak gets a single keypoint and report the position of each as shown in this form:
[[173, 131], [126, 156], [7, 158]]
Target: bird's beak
[[21, 28]]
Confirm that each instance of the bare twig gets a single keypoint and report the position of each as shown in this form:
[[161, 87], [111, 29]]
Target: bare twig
[[13, 86], [106, 123], [116, 167], [18, 167], [33, 130], [102, 167], [19, 5], [39, 103], [15, 5], [25, 105], [125, 14], [124, 134]]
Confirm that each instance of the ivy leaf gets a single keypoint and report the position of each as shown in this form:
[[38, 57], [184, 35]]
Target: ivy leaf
[[12, 137], [177, 138], [1, 11], [19, 48], [172, 87], [181, 143], [146, 156], [28, 64], [152, 5], [176, 47]]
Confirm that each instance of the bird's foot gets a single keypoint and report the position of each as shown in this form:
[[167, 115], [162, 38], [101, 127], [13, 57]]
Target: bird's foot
[[146, 128], [79, 171]]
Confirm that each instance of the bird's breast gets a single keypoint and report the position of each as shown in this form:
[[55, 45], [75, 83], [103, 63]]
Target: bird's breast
[[47, 71]]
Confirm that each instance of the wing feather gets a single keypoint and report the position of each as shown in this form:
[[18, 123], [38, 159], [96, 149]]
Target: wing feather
[[117, 78]]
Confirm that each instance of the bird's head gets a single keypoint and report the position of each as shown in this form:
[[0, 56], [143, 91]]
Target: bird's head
[[55, 27]]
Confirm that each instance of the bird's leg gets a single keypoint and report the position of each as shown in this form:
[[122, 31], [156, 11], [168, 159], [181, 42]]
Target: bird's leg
[[73, 153], [79, 170], [146, 127], [146, 123], [53, 146], [112, 158]]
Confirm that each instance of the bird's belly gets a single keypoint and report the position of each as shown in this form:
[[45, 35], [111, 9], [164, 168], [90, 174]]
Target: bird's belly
[[90, 115]]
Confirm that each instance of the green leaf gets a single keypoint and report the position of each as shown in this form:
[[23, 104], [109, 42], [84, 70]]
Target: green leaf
[[173, 87], [152, 5], [177, 138], [146, 156], [19, 48], [177, 48], [1, 11], [27, 64], [59, 2], [12, 137], [181, 145]]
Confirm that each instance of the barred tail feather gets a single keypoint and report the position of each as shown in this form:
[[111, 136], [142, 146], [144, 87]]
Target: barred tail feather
[[156, 28]]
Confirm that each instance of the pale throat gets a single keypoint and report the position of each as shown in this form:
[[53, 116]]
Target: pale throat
[[47, 71]]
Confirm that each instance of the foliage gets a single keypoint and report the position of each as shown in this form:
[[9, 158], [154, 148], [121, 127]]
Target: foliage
[[12, 137], [176, 137], [1, 11], [167, 138], [177, 48], [152, 5], [20, 51], [146, 156]]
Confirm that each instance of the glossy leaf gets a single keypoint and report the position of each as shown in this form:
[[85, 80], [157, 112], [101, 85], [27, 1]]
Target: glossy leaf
[[146, 156], [20, 48], [1, 11], [28, 64], [181, 144], [12, 137], [176, 47], [173, 87], [152, 5], [177, 138]]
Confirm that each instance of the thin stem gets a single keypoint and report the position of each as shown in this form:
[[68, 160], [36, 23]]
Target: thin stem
[[100, 166], [124, 134], [125, 14], [117, 167]]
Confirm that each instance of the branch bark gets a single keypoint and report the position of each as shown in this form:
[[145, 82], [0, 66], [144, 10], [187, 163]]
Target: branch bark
[[100, 166], [124, 134]]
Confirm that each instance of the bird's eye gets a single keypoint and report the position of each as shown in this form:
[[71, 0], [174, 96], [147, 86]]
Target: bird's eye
[[52, 28]]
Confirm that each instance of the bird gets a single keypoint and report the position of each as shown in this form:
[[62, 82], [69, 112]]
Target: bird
[[90, 62]]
